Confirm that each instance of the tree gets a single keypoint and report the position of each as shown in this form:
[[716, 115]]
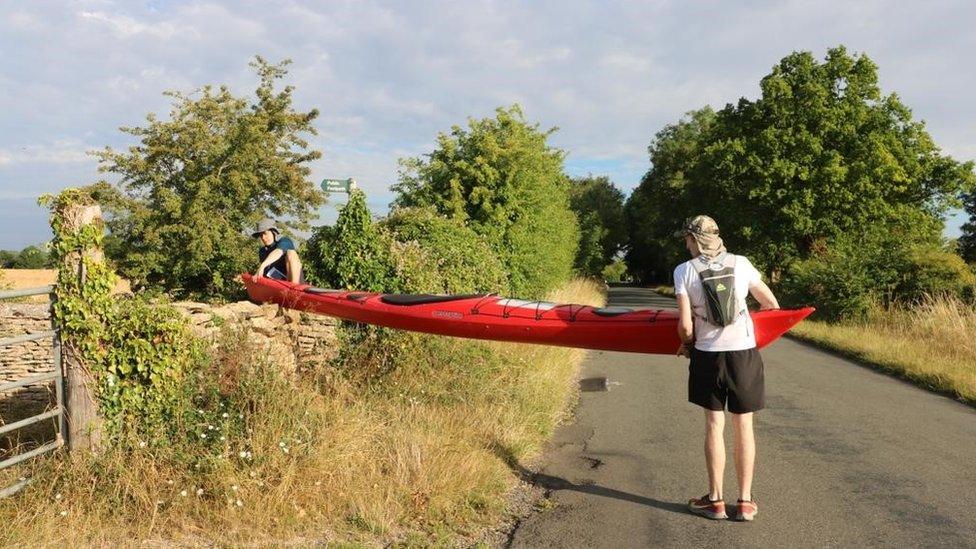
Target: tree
[[656, 208], [501, 178], [819, 155], [590, 256], [601, 197], [966, 244], [31, 257], [196, 182], [353, 254]]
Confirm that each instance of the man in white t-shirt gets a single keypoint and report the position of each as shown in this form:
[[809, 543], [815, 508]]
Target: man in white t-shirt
[[718, 336]]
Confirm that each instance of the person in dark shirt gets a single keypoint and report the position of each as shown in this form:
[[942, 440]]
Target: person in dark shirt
[[278, 256]]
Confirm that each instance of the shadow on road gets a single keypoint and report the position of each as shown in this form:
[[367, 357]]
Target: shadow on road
[[549, 482]]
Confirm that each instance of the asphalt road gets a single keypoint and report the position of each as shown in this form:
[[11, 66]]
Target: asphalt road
[[847, 457]]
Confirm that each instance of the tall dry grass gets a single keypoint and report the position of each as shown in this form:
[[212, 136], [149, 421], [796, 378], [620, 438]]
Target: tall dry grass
[[420, 453], [931, 343]]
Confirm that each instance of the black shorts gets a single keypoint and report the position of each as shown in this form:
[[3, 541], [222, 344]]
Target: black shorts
[[715, 377]]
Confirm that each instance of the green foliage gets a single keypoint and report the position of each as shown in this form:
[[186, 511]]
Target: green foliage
[[967, 242], [598, 195], [196, 182], [656, 208], [501, 178], [883, 264], [615, 272], [452, 256], [139, 353], [590, 258], [353, 254], [31, 257], [932, 272], [822, 153]]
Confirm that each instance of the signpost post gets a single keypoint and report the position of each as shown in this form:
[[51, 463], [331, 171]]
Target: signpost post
[[338, 185]]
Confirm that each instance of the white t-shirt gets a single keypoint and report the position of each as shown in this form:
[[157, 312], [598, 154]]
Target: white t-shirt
[[737, 336]]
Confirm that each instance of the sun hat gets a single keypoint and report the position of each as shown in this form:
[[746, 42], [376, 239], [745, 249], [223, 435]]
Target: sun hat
[[266, 224], [704, 230]]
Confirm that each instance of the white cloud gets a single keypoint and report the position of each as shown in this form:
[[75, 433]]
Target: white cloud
[[59, 152], [387, 76], [127, 26]]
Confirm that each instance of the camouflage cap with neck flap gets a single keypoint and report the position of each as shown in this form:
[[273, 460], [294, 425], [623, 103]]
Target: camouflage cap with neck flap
[[704, 230]]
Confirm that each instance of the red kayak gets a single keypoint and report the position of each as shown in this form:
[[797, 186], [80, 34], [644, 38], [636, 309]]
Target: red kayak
[[488, 316]]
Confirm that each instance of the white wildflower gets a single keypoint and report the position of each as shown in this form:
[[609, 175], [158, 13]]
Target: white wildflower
[[64, 513], [183, 493], [199, 492], [225, 415], [281, 444], [234, 487], [57, 496], [239, 503], [142, 444]]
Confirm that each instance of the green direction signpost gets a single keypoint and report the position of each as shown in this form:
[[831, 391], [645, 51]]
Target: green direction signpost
[[338, 185]]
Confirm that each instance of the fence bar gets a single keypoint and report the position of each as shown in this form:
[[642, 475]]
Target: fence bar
[[29, 421], [25, 338], [10, 294], [59, 386], [35, 452], [29, 381], [13, 489]]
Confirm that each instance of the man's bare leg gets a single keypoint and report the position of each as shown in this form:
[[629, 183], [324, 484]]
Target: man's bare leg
[[294, 265], [715, 452], [745, 453]]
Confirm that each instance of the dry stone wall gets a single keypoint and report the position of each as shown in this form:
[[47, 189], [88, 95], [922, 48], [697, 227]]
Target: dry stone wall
[[25, 359], [293, 340]]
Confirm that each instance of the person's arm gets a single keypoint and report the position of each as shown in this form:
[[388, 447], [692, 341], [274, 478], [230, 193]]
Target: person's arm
[[272, 257], [759, 290], [686, 326], [294, 266]]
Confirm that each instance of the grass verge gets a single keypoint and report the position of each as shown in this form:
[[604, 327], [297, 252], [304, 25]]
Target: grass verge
[[407, 440], [930, 344]]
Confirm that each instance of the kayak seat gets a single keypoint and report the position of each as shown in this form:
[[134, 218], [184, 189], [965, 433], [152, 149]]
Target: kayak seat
[[612, 311], [422, 299]]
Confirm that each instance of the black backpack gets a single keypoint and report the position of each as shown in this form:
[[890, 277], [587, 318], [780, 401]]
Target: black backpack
[[718, 282]]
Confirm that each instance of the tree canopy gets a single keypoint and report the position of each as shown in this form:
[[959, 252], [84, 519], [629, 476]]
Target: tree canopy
[[500, 177], [195, 183], [821, 153], [599, 205]]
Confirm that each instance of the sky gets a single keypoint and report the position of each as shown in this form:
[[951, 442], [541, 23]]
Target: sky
[[388, 76]]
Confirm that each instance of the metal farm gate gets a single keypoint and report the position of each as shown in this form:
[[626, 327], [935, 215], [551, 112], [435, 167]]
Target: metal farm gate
[[56, 376]]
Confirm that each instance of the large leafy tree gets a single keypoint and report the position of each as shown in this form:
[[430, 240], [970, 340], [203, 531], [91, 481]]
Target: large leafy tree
[[820, 154], [601, 198], [657, 206], [194, 183], [500, 177]]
